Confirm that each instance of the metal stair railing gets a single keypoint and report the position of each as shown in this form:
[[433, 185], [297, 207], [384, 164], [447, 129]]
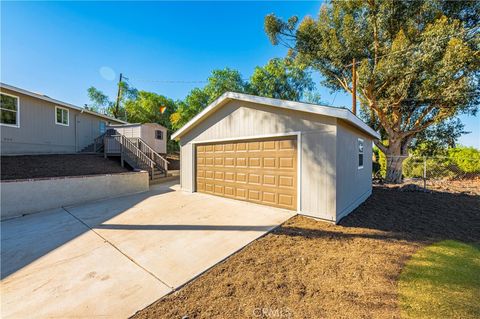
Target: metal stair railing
[[161, 162]]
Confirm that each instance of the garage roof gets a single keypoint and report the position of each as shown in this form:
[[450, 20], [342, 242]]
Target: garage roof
[[331, 111]]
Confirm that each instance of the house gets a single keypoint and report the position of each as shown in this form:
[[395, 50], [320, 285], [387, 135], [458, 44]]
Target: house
[[155, 135], [32, 123], [313, 159]]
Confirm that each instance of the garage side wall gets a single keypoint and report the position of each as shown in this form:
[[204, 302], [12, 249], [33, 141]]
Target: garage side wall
[[240, 120], [354, 184]]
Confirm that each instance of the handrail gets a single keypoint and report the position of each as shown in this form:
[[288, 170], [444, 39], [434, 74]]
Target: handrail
[[147, 162], [144, 147], [98, 141]]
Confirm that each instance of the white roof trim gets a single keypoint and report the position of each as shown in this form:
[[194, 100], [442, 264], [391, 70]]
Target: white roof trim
[[57, 102], [336, 112]]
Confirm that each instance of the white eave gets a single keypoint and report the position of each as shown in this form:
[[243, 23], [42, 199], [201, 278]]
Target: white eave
[[57, 102], [336, 112]]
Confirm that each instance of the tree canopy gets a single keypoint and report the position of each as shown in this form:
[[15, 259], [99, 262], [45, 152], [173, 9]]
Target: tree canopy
[[279, 78], [101, 102], [417, 64]]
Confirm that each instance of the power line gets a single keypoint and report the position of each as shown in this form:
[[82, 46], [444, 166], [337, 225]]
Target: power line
[[170, 81]]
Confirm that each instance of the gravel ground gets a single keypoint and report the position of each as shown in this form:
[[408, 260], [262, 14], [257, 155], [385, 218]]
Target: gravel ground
[[312, 269]]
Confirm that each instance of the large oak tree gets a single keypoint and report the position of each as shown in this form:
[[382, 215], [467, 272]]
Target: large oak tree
[[417, 62]]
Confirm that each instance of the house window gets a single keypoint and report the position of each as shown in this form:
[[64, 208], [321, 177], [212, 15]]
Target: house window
[[159, 135], [9, 110], [61, 116], [102, 127], [360, 153]]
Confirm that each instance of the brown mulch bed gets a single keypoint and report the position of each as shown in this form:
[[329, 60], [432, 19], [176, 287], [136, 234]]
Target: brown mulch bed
[[312, 269], [41, 166]]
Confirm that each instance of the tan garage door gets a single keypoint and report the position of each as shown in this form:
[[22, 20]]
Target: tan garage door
[[259, 171]]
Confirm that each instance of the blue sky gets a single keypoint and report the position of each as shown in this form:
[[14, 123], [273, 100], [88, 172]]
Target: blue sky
[[62, 48]]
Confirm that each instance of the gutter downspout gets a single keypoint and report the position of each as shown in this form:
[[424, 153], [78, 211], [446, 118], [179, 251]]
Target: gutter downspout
[[76, 130]]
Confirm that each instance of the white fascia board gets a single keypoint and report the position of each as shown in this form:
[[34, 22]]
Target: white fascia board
[[336, 112]]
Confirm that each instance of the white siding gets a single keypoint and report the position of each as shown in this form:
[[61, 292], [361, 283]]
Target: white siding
[[129, 130], [186, 167], [148, 135], [39, 134], [354, 185], [239, 119]]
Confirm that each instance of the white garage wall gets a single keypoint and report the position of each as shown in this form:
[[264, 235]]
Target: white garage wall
[[239, 119], [354, 185]]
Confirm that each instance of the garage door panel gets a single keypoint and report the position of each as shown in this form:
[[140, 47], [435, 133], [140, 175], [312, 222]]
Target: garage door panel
[[254, 179], [229, 191], [218, 161], [208, 161], [208, 149], [269, 145], [270, 198], [229, 177], [269, 162], [254, 195], [286, 162], [241, 177], [269, 180], [241, 193], [209, 188], [260, 171], [254, 162], [286, 181], [229, 162], [241, 162], [209, 174], [241, 147]]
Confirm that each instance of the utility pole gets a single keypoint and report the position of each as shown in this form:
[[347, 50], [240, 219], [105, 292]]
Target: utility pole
[[119, 94], [354, 87]]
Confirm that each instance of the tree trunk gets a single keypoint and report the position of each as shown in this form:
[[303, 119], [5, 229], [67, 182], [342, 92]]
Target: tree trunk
[[394, 168], [396, 153]]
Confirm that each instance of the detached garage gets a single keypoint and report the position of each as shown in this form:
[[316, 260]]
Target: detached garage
[[313, 159]]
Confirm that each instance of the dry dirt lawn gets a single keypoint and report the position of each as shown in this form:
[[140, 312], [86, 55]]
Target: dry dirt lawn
[[312, 269], [43, 166]]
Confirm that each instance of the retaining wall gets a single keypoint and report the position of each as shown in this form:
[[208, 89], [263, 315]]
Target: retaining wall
[[20, 197]]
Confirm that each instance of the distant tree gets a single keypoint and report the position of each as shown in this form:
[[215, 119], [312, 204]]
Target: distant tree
[[418, 62], [281, 79], [219, 82], [101, 102], [146, 108], [437, 139]]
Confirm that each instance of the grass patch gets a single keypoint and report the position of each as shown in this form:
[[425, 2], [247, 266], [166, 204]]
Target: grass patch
[[442, 281]]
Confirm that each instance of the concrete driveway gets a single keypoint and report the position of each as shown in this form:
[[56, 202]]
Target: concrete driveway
[[111, 258]]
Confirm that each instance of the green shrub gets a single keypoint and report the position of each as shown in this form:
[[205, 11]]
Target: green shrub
[[467, 159]]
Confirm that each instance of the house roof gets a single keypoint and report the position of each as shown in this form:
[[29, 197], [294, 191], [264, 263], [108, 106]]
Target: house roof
[[57, 102], [331, 111]]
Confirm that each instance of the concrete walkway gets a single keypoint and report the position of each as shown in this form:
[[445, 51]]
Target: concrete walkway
[[112, 258]]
